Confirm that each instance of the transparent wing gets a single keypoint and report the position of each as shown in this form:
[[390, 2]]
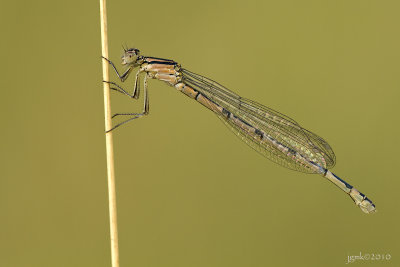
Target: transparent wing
[[277, 126]]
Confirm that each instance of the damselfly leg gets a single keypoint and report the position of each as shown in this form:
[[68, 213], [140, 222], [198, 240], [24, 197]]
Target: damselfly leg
[[122, 76], [135, 94]]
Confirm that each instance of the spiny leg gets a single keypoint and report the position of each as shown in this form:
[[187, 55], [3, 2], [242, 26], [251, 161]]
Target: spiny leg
[[122, 76], [136, 89], [128, 120], [146, 97], [135, 115]]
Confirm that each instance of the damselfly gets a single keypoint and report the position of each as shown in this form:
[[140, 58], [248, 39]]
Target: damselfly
[[274, 135]]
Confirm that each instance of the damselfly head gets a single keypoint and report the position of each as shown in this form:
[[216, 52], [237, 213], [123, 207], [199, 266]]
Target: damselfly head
[[130, 56]]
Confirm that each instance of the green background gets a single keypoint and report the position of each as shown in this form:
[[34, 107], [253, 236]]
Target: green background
[[189, 193]]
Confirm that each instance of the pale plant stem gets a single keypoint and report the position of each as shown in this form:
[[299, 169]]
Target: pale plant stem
[[109, 140]]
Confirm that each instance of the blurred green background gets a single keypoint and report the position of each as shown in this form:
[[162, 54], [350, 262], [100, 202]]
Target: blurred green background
[[189, 193]]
